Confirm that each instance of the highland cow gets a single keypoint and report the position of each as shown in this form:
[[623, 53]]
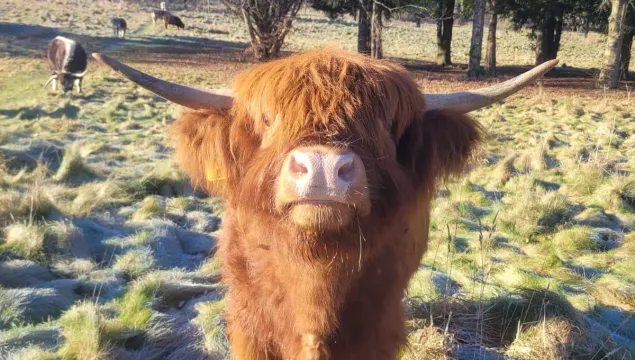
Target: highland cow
[[328, 163]]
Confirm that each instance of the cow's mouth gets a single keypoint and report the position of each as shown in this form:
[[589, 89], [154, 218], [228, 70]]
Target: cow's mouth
[[321, 214]]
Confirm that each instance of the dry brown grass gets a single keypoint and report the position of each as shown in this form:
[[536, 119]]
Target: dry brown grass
[[556, 339], [429, 343]]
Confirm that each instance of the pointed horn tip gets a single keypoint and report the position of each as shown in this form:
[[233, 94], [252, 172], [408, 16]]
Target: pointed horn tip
[[103, 59], [551, 63]]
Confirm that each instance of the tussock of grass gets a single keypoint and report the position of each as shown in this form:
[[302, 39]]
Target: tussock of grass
[[164, 179], [429, 343], [625, 268], [584, 178], [135, 308], [535, 160], [10, 314], [152, 206], [65, 240], [34, 204], [73, 167], [552, 261], [493, 322], [551, 339], [529, 214], [514, 276], [135, 263], [83, 326], [505, 169], [617, 194], [159, 290], [96, 196], [575, 241], [75, 267], [141, 238], [26, 240], [612, 290], [180, 204], [211, 323], [34, 353]]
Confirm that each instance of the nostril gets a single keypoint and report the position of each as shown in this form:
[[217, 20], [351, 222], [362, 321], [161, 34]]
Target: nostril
[[346, 170], [297, 168]]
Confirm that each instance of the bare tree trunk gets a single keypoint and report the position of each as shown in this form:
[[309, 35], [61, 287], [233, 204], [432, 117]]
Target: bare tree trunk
[[548, 38], [610, 74], [376, 50], [490, 55], [476, 47], [445, 23], [555, 45], [625, 58], [544, 40], [268, 23], [364, 28], [627, 42]]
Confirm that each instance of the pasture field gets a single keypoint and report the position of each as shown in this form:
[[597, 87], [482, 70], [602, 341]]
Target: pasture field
[[106, 252]]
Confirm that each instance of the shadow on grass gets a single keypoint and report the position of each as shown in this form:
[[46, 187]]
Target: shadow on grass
[[560, 77], [33, 112], [24, 40]]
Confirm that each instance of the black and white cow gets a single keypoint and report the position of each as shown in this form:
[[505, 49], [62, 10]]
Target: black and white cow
[[119, 25], [158, 15], [68, 63]]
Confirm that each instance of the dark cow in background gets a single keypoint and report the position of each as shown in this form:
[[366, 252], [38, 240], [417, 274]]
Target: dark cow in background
[[170, 19], [67, 60], [119, 26]]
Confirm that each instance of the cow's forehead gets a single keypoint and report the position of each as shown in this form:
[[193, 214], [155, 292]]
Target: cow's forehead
[[329, 88]]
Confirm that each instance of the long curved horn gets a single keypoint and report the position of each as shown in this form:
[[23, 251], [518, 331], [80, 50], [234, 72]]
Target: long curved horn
[[467, 101], [180, 94], [49, 81], [81, 74]]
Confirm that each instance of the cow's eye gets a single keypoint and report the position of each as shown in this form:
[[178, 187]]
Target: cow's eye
[[267, 120]]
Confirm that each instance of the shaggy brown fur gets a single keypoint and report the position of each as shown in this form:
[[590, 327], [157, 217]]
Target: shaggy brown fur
[[311, 293]]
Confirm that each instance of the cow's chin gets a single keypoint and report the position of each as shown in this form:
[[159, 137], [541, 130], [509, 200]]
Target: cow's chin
[[321, 215]]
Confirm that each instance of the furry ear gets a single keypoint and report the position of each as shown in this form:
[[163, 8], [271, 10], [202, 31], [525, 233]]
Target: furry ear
[[438, 146], [202, 146]]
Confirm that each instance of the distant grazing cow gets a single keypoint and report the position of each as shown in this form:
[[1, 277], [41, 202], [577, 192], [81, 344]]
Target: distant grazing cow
[[170, 19], [158, 15], [119, 25], [328, 162], [67, 60]]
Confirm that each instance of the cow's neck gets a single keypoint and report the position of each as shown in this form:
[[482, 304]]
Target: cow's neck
[[314, 270]]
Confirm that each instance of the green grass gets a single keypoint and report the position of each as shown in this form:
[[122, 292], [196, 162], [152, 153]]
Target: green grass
[[25, 240], [135, 307], [150, 207], [135, 262], [210, 321], [82, 327], [573, 242]]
